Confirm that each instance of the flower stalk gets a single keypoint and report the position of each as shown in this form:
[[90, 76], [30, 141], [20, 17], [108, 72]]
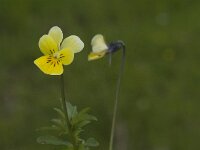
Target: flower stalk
[[64, 107], [117, 99], [63, 100]]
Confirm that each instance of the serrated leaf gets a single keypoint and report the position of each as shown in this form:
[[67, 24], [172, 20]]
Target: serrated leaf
[[58, 122], [60, 112], [60, 125], [52, 140], [90, 117], [82, 116], [84, 110], [82, 124], [77, 132], [72, 110], [91, 142]]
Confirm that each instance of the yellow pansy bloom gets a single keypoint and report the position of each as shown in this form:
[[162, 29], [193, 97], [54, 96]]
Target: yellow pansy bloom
[[57, 54]]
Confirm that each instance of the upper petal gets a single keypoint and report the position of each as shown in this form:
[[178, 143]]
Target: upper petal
[[47, 45], [98, 44], [56, 33], [74, 43], [66, 56], [49, 65]]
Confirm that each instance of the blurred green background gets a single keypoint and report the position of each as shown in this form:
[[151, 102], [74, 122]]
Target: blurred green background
[[159, 99]]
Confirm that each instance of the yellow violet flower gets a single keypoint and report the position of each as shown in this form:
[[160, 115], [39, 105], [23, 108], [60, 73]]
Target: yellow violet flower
[[57, 54], [100, 48]]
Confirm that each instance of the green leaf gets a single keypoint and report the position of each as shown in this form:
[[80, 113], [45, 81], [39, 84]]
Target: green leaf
[[77, 132], [60, 112], [83, 116], [84, 110], [91, 142], [72, 110], [52, 140], [58, 122], [60, 125], [82, 124], [89, 117]]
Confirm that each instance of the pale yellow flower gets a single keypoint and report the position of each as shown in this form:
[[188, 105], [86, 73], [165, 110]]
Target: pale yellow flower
[[99, 47]]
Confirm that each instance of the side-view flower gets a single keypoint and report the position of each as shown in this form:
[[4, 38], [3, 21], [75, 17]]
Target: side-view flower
[[100, 48], [57, 52]]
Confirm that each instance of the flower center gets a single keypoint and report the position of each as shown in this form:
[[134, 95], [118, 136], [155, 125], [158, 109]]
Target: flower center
[[56, 55], [53, 60]]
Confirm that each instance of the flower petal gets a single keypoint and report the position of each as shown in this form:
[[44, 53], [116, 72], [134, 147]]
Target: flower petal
[[74, 43], [66, 56], [94, 56], [98, 44], [56, 33], [47, 45], [49, 65]]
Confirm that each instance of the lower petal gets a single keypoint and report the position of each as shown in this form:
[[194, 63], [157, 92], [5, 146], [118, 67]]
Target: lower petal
[[94, 56], [49, 65], [66, 56]]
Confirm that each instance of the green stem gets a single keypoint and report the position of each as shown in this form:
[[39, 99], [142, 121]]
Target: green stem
[[64, 106], [116, 100], [64, 102]]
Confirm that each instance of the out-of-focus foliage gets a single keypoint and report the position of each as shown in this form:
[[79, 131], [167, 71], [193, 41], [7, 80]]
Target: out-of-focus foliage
[[159, 100]]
